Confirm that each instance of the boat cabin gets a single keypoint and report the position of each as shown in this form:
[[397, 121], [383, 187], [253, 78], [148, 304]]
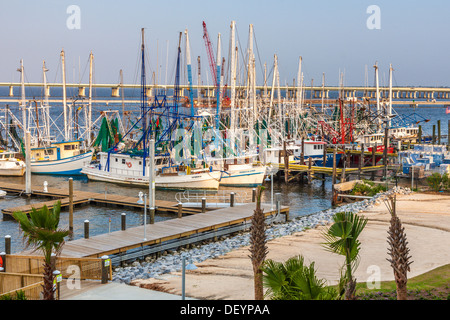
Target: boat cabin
[[371, 140], [56, 151], [311, 148]]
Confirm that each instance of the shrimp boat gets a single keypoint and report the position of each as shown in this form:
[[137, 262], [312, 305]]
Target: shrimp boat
[[10, 165], [125, 169], [128, 161], [314, 149], [60, 158]]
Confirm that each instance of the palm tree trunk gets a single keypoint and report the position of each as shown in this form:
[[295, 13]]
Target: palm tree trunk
[[258, 248], [48, 282]]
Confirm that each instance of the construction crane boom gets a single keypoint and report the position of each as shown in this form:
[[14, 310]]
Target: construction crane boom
[[209, 50]]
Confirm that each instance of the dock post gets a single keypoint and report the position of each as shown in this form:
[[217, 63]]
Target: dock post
[[105, 267], [333, 179], [8, 244], [448, 135], [309, 169], [86, 229], [180, 210], [71, 207], [334, 166], [254, 192], [152, 215], [419, 134], [324, 155], [28, 163], [439, 131], [434, 134], [123, 219], [231, 199], [361, 161], [374, 160], [286, 163], [203, 205]]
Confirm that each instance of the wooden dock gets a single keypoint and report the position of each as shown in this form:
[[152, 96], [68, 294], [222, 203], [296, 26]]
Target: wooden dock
[[188, 227], [84, 197]]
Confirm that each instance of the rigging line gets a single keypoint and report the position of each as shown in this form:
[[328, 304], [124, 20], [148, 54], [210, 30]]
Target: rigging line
[[244, 62], [257, 49]]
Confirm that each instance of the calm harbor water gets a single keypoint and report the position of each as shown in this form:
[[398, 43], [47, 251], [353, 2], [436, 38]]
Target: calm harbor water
[[302, 199]]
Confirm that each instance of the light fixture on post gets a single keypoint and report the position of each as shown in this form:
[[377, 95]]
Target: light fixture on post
[[185, 267]]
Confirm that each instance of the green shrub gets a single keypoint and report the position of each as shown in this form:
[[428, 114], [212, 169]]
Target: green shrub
[[438, 182], [368, 188]]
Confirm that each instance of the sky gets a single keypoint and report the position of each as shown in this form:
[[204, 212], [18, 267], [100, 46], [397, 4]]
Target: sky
[[333, 38]]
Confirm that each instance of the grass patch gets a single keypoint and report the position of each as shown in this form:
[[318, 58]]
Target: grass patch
[[433, 285]]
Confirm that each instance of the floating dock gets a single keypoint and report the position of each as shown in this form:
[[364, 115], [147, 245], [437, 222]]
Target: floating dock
[[83, 197]]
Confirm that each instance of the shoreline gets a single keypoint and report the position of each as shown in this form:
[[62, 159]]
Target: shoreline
[[226, 262], [229, 275]]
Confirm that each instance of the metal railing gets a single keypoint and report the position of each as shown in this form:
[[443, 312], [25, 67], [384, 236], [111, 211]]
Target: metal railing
[[218, 199]]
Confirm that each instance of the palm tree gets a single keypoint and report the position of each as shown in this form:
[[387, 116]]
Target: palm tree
[[293, 280], [342, 238], [258, 247], [41, 232], [398, 250]]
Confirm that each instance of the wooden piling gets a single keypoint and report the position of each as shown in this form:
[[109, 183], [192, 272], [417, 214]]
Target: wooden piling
[[8, 244], [286, 163], [361, 161], [180, 210], [123, 220], [71, 206], [439, 131], [86, 229]]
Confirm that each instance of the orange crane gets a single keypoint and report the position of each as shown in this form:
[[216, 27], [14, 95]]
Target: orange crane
[[212, 60]]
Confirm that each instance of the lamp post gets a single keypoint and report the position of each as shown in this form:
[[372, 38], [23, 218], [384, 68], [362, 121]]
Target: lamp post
[[271, 186], [145, 210], [190, 266]]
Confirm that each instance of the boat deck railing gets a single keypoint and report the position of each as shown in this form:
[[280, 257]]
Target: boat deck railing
[[220, 198]]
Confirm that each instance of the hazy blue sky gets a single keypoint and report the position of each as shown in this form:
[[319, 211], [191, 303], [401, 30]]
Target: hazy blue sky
[[331, 36]]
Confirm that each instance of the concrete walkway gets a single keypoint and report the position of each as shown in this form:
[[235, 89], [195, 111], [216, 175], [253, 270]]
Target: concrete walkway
[[116, 291]]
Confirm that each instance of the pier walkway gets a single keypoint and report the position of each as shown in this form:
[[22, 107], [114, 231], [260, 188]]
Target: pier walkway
[[166, 234], [149, 238]]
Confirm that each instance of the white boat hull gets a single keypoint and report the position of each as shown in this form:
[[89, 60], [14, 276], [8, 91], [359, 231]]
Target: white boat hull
[[250, 177], [12, 169], [67, 166], [204, 180]]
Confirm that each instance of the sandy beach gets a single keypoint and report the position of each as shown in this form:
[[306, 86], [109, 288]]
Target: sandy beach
[[425, 217]]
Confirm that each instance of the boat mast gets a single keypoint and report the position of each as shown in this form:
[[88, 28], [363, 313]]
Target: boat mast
[[218, 64], [390, 93], [89, 120], [378, 93], [63, 64], [143, 104], [233, 86], [22, 100], [199, 82], [189, 70], [47, 107]]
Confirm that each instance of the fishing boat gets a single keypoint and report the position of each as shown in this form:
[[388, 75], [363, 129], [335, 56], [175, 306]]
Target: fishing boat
[[125, 169], [239, 171], [10, 165], [60, 158], [128, 161], [314, 149]]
